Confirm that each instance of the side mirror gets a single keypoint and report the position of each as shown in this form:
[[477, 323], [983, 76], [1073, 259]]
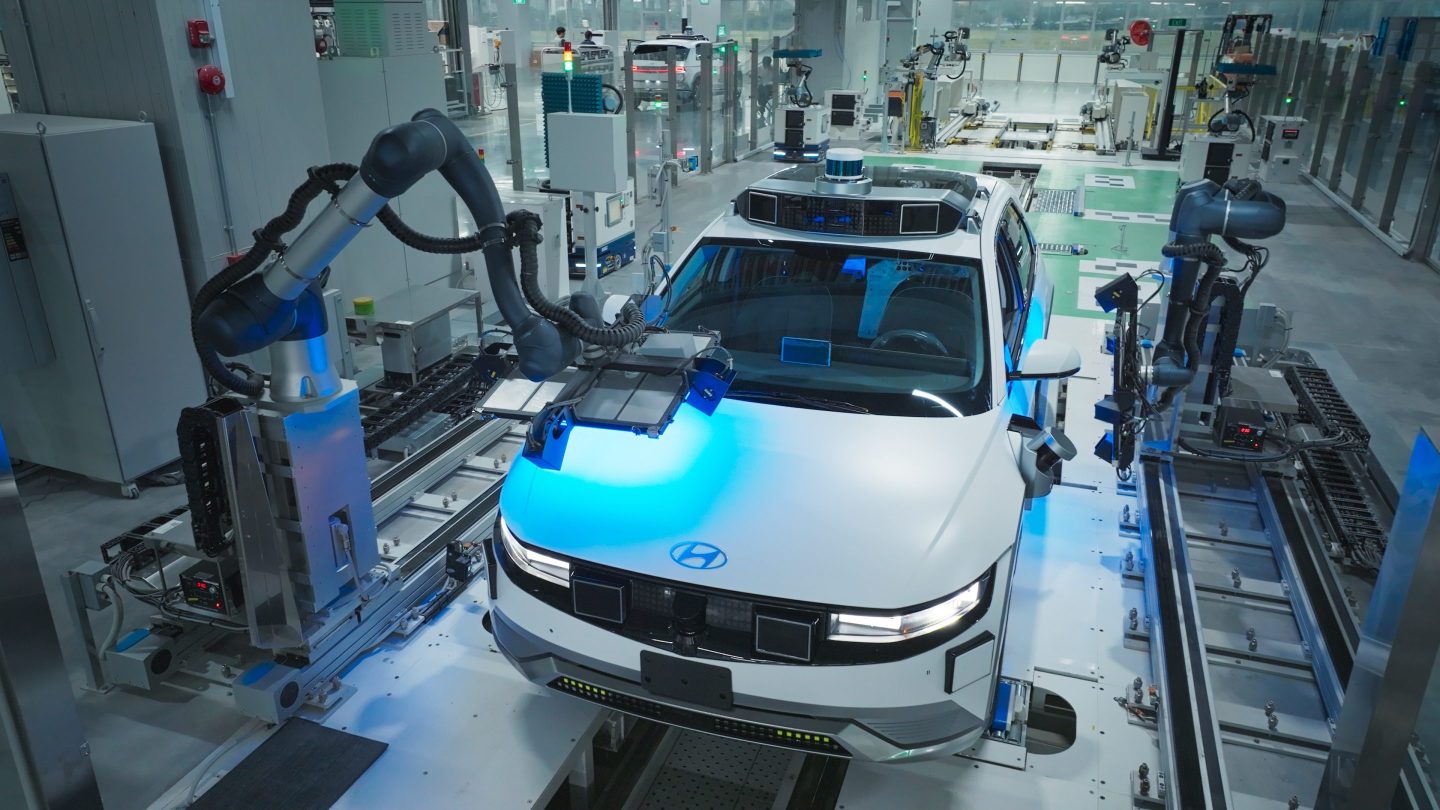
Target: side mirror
[[1047, 360]]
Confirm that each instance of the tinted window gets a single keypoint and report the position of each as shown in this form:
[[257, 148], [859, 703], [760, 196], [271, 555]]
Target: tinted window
[[893, 332], [657, 52], [1017, 233]]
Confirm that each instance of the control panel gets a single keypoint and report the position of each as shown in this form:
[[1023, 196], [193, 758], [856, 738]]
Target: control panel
[[1284, 146], [212, 586]]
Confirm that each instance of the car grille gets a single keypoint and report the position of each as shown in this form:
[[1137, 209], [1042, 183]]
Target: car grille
[[724, 726], [721, 612]]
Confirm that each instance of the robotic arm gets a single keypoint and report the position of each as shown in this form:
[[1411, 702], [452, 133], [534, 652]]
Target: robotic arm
[[271, 297], [1112, 53], [797, 92], [1239, 210]]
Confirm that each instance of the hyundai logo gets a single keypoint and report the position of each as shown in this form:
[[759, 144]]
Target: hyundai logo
[[701, 556]]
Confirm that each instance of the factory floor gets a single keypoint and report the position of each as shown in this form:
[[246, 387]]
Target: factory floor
[[1376, 313]]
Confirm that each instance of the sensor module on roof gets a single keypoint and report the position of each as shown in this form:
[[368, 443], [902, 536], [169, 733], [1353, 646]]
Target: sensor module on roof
[[845, 197]]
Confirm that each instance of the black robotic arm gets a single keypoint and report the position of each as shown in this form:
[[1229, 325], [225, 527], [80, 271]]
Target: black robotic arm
[[1237, 211], [271, 296]]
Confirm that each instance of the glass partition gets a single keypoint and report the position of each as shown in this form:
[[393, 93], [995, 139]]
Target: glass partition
[[1377, 124], [1355, 143], [1080, 25]]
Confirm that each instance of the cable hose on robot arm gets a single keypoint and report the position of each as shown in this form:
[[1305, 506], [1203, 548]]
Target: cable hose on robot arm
[[398, 156], [397, 227], [1214, 259], [1222, 358], [267, 242], [626, 330], [1204, 251]]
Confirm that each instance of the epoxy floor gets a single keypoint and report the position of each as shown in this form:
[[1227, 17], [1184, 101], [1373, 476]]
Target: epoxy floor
[[1377, 315]]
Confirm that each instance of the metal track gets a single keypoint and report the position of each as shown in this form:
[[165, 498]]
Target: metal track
[[1338, 478], [1322, 403], [454, 379], [1247, 686]]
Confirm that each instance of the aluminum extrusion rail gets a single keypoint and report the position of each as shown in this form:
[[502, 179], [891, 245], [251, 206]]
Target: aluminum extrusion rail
[[1190, 741], [1248, 687]]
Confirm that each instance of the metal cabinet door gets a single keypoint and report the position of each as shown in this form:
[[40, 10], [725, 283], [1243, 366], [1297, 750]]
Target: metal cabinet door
[[55, 412], [115, 209]]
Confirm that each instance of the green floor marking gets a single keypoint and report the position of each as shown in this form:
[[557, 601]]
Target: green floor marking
[[1154, 192]]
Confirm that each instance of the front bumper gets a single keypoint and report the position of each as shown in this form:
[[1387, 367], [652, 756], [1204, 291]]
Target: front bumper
[[890, 711], [809, 153], [650, 89]]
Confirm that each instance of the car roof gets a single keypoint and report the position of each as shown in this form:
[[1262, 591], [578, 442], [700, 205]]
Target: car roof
[[682, 43], [968, 201], [960, 244]]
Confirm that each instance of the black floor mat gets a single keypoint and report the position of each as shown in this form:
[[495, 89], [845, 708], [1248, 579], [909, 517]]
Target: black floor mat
[[303, 766]]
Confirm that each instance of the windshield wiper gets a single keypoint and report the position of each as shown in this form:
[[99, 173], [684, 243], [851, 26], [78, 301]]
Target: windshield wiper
[[801, 400]]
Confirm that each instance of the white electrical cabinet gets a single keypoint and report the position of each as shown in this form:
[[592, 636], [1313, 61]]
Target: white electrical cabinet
[[1130, 105], [801, 134], [1214, 157], [615, 246], [1284, 144], [587, 152], [95, 215]]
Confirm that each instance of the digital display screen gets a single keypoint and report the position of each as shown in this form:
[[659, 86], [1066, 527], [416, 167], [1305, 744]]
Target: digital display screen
[[614, 210], [1290, 134]]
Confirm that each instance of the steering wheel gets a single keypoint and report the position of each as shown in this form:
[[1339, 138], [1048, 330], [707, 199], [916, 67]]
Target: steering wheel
[[918, 337]]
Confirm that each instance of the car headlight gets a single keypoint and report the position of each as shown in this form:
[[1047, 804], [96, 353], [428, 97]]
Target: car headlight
[[882, 627], [533, 562]]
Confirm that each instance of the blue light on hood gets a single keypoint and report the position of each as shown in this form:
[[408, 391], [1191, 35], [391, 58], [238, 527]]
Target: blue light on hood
[[677, 474]]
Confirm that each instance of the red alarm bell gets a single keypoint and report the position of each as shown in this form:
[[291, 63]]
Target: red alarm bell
[[212, 80], [1140, 32]]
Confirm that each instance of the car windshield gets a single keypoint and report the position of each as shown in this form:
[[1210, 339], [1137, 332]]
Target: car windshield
[[851, 327], [656, 53]]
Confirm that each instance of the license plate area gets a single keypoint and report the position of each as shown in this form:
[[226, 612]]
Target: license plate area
[[691, 681]]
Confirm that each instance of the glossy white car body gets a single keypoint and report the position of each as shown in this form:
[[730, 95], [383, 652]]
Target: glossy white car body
[[650, 70], [806, 511]]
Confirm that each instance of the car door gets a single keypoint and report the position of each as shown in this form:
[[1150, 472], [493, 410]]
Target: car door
[[1023, 315], [1036, 399]]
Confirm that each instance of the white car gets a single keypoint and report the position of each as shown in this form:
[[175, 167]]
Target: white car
[[650, 71], [824, 562]]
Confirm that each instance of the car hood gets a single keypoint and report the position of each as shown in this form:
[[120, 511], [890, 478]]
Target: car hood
[[843, 509]]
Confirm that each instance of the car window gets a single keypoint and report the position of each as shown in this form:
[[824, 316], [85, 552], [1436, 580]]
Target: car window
[[1022, 244], [1012, 295], [657, 52], [894, 332]]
